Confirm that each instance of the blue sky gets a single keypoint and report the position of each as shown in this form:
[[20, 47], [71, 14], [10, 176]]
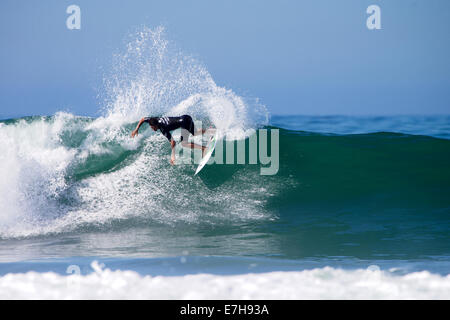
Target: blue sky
[[297, 57]]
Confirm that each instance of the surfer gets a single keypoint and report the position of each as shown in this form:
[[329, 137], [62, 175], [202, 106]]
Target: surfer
[[167, 124]]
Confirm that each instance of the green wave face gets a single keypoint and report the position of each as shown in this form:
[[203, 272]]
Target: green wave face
[[380, 168]]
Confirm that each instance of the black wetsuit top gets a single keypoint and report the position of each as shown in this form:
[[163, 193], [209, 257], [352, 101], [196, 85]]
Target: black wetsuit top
[[167, 124]]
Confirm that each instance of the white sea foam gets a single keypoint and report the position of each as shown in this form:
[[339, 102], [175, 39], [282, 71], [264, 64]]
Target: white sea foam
[[323, 283], [32, 167]]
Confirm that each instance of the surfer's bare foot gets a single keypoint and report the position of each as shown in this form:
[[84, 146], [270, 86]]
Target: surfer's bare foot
[[203, 151]]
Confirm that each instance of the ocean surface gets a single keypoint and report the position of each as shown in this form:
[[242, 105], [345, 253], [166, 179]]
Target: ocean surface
[[348, 208], [359, 207]]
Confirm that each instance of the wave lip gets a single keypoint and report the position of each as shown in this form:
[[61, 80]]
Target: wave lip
[[321, 283]]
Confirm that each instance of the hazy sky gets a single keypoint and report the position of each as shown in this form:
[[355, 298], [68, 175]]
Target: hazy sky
[[297, 57]]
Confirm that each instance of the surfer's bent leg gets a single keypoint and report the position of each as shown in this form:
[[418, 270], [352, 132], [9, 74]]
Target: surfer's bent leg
[[187, 128], [185, 140]]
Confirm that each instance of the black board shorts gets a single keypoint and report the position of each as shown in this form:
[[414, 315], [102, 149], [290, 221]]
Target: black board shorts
[[167, 124], [188, 124]]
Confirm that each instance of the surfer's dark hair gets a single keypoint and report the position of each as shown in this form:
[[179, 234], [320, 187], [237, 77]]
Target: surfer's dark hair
[[153, 121]]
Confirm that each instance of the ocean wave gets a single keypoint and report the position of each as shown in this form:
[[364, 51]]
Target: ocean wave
[[66, 173], [320, 283]]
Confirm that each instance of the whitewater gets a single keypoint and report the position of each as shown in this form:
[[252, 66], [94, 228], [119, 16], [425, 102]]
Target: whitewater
[[359, 208], [325, 283]]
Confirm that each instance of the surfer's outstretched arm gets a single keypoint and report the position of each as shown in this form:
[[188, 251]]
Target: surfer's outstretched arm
[[136, 131]]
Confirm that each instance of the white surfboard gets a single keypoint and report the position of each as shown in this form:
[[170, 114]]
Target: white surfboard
[[209, 150]]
